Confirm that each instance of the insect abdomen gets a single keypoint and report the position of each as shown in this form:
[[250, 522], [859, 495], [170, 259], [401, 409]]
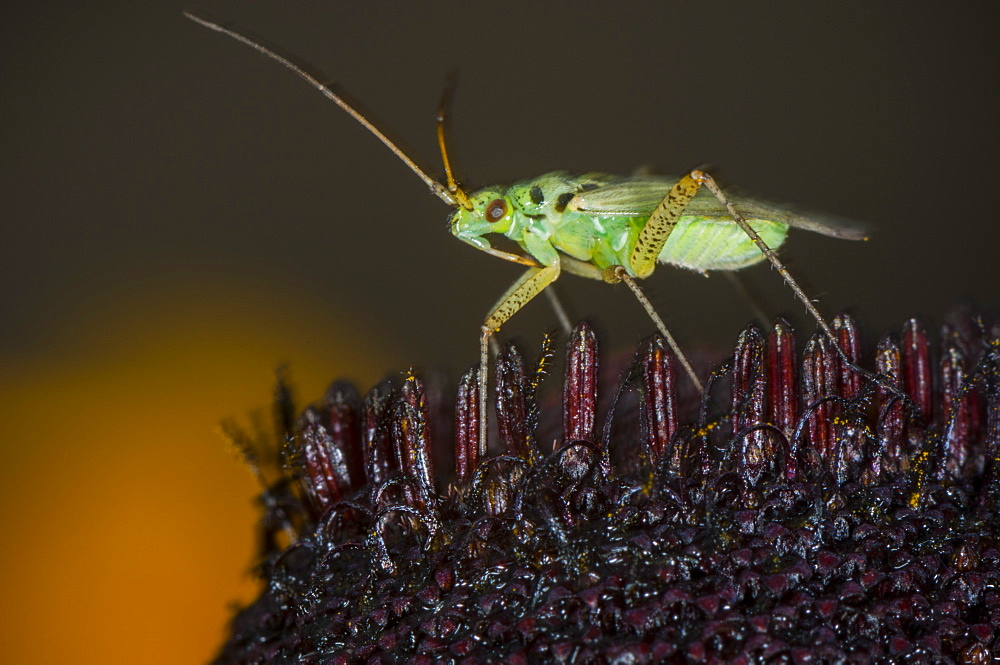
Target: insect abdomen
[[701, 244]]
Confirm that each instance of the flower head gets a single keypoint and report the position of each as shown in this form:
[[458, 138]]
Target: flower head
[[795, 511]]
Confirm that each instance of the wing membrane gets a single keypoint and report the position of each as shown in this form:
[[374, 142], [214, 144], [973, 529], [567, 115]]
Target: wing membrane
[[638, 196]]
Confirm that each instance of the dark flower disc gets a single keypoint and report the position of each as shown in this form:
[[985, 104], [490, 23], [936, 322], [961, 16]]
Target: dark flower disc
[[801, 510]]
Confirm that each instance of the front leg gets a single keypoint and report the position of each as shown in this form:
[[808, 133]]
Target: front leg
[[529, 285]]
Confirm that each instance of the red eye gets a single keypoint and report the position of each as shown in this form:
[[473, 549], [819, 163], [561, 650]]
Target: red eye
[[496, 210]]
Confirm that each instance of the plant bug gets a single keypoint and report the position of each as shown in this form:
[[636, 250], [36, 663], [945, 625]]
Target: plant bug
[[610, 228]]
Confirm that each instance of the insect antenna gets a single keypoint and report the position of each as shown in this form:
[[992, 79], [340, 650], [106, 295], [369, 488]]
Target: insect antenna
[[442, 192], [453, 187]]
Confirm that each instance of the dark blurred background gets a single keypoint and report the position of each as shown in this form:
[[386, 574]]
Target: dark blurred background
[[180, 216]]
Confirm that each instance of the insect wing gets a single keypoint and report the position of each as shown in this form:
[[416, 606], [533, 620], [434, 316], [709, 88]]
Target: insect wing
[[817, 222], [638, 196], [631, 197]]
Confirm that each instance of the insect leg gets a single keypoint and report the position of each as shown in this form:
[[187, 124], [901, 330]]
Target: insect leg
[[654, 236], [622, 274], [705, 179], [647, 249], [660, 225], [708, 181], [619, 274], [560, 311], [529, 285]]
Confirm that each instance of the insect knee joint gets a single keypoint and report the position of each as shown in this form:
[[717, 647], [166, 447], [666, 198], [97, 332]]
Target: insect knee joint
[[613, 274]]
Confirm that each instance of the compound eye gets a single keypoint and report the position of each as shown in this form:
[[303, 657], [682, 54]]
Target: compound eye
[[496, 210]]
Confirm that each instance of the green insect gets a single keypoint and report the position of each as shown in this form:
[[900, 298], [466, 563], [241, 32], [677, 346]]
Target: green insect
[[610, 228]]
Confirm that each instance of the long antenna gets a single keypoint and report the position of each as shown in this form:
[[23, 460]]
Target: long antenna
[[443, 105], [437, 188]]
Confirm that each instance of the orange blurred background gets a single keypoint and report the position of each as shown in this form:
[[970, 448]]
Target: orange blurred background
[[181, 216], [128, 519]]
